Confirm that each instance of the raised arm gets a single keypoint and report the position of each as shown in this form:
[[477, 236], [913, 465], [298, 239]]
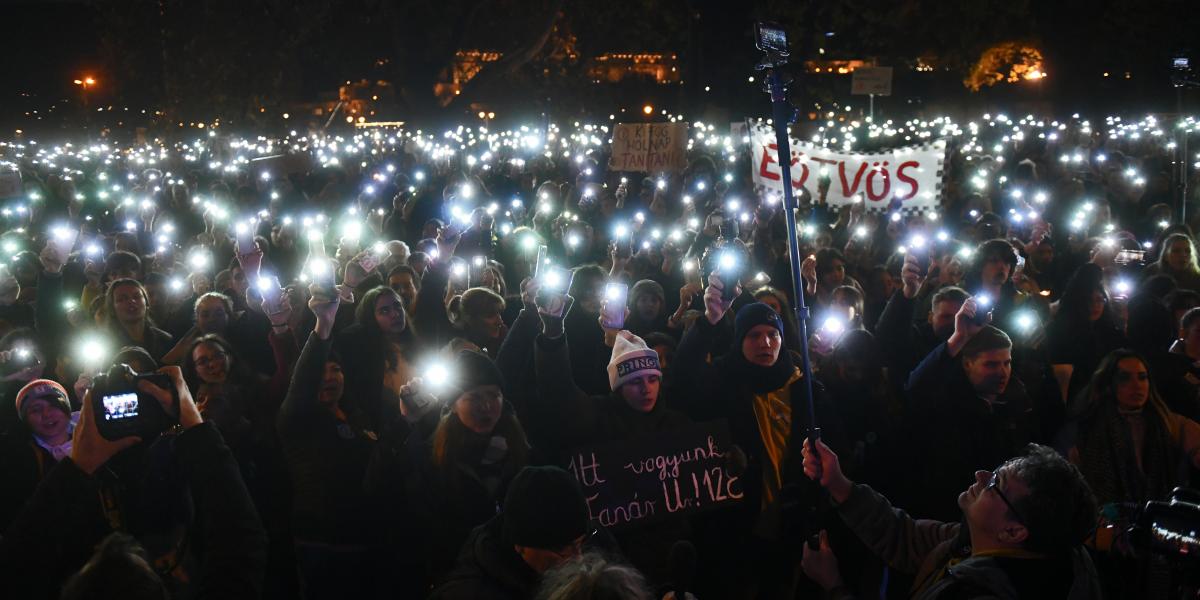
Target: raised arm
[[515, 356], [892, 535], [310, 368]]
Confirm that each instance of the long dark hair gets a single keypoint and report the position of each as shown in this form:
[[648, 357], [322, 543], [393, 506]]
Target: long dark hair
[[1073, 307], [364, 315], [1100, 395]]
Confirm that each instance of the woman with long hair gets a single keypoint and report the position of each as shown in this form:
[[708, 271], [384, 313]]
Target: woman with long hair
[[1131, 449], [379, 321], [1082, 332], [1127, 443], [127, 318], [1178, 259]]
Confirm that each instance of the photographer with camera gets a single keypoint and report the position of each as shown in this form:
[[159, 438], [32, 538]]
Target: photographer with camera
[[965, 408], [72, 510], [1020, 536]]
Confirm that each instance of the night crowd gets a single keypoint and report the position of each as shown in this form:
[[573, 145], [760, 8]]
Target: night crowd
[[375, 356]]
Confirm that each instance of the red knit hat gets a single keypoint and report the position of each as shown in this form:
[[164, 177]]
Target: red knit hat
[[41, 388]]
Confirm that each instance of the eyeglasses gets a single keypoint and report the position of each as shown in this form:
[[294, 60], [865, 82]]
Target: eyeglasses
[[994, 485], [204, 361]]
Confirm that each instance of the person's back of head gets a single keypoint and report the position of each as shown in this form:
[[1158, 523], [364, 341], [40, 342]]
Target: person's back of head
[[117, 571], [592, 577]]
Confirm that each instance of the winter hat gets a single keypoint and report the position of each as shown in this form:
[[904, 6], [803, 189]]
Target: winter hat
[[646, 286], [631, 357], [751, 316], [473, 369], [42, 388], [544, 508]]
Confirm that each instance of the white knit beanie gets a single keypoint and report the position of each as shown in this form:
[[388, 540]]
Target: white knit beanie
[[631, 357]]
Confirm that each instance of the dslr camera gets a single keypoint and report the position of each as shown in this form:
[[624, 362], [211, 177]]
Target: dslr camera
[[122, 410]]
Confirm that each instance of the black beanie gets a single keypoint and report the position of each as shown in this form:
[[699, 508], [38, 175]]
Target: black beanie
[[473, 369], [544, 508], [751, 316]]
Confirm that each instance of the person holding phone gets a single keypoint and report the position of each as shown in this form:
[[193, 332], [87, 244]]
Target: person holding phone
[[634, 407], [968, 409], [756, 385]]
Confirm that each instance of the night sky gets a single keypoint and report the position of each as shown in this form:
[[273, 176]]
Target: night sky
[[52, 42]]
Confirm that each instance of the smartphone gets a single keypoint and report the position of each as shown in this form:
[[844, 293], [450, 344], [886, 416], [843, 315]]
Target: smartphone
[[624, 247], [542, 255], [554, 281], [729, 271], [613, 314], [245, 238], [1130, 257], [321, 271], [983, 309], [460, 275]]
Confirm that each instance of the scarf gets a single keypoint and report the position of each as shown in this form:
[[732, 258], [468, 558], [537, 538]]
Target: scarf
[[1108, 457], [757, 379]]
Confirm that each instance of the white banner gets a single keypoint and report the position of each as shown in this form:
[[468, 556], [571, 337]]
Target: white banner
[[908, 179]]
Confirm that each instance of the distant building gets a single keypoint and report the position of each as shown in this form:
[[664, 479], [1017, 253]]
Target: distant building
[[467, 63], [616, 67]]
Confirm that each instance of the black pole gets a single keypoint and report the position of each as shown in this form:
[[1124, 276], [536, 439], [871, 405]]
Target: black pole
[[783, 114]]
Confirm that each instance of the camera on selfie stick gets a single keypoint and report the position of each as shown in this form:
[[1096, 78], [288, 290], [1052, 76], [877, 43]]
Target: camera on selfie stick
[[800, 504]]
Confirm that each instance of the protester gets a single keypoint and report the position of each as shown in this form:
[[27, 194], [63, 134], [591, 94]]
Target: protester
[[756, 386], [965, 408]]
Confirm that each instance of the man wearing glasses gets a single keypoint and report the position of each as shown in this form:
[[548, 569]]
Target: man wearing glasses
[[1024, 522]]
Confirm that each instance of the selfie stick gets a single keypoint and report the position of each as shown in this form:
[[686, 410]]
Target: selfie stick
[[783, 114]]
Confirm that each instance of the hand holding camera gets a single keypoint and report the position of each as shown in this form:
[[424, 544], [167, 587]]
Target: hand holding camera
[[125, 403]]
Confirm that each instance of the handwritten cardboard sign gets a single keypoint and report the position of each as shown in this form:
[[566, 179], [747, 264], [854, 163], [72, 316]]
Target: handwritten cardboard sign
[[649, 147], [674, 473], [907, 179]]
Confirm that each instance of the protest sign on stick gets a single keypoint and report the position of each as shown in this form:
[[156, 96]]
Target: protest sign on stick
[[649, 147], [674, 473]]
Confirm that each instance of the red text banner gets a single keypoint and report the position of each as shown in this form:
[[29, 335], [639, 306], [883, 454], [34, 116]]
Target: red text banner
[[907, 179]]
